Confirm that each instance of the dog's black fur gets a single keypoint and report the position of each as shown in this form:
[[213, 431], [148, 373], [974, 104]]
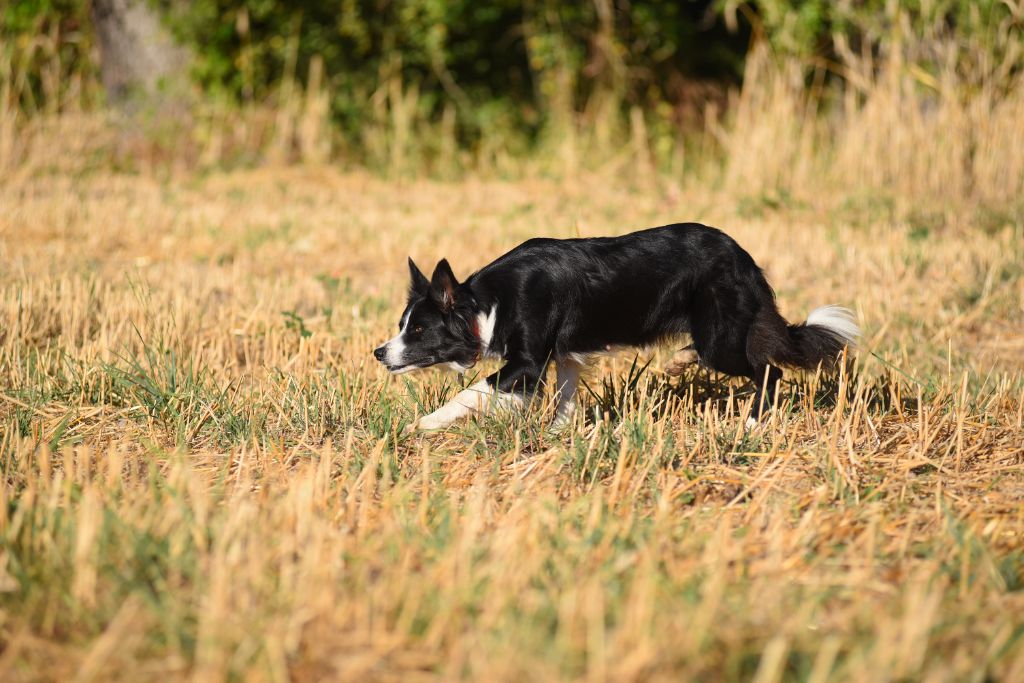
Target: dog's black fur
[[560, 297]]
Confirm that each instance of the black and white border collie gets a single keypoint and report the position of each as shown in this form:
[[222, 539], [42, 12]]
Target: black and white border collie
[[562, 300]]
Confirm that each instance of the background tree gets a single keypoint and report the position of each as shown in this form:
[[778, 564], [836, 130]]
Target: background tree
[[138, 56]]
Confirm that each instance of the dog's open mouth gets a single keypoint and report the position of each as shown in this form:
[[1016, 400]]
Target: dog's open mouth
[[402, 369], [409, 365]]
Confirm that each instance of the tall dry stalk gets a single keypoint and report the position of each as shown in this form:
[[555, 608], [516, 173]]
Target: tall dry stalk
[[885, 125], [772, 131], [9, 114]]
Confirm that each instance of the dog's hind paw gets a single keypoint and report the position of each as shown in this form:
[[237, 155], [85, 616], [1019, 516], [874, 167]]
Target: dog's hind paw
[[560, 425], [681, 360]]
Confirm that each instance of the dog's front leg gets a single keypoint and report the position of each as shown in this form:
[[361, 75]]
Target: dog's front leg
[[504, 388], [566, 382], [478, 397]]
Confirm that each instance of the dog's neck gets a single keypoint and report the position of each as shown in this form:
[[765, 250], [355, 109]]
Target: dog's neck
[[481, 326]]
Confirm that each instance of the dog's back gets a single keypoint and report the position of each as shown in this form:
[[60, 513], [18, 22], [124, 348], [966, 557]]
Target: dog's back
[[583, 295]]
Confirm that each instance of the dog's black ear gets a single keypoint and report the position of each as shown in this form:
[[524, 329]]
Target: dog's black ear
[[443, 284], [420, 284]]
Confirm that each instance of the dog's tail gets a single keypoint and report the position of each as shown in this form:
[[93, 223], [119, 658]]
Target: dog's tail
[[817, 341]]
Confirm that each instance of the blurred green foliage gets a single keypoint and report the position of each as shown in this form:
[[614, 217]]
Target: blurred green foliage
[[502, 58], [517, 64], [817, 28], [45, 50]]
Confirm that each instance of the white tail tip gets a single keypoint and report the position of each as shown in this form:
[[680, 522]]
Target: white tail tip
[[838, 320]]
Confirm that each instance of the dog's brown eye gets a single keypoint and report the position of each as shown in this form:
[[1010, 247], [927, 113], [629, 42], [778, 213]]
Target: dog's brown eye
[[417, 329]]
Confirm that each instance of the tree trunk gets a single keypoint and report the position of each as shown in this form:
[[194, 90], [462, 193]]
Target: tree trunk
[[138, 57]]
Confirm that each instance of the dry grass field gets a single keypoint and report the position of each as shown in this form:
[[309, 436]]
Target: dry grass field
[[204, 475]]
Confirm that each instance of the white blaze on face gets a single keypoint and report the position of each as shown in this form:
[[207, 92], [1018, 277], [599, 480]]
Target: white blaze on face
[[396, 347]]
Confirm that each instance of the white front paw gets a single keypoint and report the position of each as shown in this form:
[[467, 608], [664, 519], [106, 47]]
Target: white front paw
[[432, 422], [424, 424]]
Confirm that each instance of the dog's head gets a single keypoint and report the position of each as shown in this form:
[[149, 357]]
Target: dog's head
[[436, 326]]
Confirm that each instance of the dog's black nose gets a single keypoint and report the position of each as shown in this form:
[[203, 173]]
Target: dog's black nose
[[378, 353]]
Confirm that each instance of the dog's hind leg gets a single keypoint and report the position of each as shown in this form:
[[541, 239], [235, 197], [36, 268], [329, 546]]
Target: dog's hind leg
[[765, 336], [766, 380]]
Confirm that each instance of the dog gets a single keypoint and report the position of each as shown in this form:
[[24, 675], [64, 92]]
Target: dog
[[564, 300]]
